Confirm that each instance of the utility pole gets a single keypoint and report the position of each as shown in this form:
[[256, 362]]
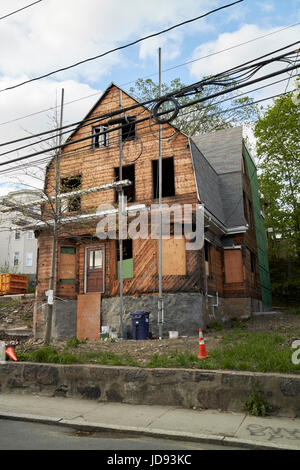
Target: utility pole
[[160, 296], [121, 209], [51, 296]]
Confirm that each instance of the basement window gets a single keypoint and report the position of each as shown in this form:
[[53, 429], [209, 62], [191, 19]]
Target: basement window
[[70, 184], [127, 259], [129, 129], [168, 181], [100, 136], [128, 173]]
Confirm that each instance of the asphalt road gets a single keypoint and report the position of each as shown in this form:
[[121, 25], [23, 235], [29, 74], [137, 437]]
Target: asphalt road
[[18, 435]]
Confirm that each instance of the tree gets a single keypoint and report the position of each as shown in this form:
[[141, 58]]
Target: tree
[[202, 117], [277, 134]]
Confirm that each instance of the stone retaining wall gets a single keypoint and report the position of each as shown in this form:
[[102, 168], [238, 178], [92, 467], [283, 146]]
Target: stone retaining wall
[[220, 390]]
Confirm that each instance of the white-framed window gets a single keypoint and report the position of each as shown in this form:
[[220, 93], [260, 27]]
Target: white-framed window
[[29, 258], [16, 258], [30, 235], [100, 136], [17, 234]]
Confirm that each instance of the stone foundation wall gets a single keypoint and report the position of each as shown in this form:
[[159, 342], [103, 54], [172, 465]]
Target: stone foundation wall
[[220, 310], [222, 390], [184, 312]]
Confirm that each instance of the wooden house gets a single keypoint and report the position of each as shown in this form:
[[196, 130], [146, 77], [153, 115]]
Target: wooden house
[[224, 279]]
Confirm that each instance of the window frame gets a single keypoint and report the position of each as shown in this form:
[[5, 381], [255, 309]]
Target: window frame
[[16, 258], [155, 175], [31, 258], [76, 200], [100, 138]]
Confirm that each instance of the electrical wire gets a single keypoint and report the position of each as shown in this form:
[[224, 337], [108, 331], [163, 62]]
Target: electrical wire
[[85, 147], [147, 76], [62, 69], [182, 92], [20, 9]]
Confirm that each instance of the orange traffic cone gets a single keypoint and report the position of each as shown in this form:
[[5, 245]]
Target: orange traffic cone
[[10, 351], [202, 349]]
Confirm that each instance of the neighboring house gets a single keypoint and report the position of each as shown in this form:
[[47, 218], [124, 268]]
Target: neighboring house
[[227, 278], [18, 247]]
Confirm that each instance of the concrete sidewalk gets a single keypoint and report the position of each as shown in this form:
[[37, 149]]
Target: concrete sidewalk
[[156, 421]]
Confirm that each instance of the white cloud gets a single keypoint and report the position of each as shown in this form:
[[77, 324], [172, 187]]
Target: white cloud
[[42, 95], [54, 34], [171, 43], [217, 63]]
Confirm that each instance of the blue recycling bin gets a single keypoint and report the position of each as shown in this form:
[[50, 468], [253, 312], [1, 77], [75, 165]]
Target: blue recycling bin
[[140, 325]]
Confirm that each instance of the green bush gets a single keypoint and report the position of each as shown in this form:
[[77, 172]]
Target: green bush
[[256, 405]]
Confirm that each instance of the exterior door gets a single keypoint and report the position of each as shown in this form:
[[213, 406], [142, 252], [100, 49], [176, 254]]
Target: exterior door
[[95, 269]]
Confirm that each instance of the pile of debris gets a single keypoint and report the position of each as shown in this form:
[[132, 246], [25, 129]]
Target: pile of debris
[[16, 318]]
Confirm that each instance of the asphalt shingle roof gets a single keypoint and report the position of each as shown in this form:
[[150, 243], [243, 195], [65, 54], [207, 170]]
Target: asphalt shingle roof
[[217, 160]]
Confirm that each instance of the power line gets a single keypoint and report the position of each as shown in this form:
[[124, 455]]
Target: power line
[[194, 88], [151, 75], [227, 49], [90, 137], [121, 47], [205, 107], [20, 9]]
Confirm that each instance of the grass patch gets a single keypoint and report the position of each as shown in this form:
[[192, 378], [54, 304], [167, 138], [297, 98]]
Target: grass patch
[[109, 358], [74, 342], [237, 350], [48, 355], [256, 405]]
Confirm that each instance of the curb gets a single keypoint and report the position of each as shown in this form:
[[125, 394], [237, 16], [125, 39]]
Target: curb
[[155, 433]]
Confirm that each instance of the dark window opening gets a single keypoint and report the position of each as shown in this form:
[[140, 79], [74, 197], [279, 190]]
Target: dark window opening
[[253, 262], [128, 173], [129, 129], [127, 249], [70, 184], [244, 165], [127, 259], [100, 136], [250, 213], [168, 183]]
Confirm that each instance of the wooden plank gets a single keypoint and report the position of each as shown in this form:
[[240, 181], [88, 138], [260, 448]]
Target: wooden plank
[[88, 316], [233, 266], [173, 257]]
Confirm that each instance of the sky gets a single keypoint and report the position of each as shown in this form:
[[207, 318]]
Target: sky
[[52, 34]]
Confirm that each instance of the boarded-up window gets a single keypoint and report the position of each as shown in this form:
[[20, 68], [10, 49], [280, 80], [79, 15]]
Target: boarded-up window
[[67, 265], [173, 257], [233, 266]]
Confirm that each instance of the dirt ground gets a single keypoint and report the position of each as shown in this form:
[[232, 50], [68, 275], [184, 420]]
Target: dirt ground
[[17, 316], [143, 350]]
